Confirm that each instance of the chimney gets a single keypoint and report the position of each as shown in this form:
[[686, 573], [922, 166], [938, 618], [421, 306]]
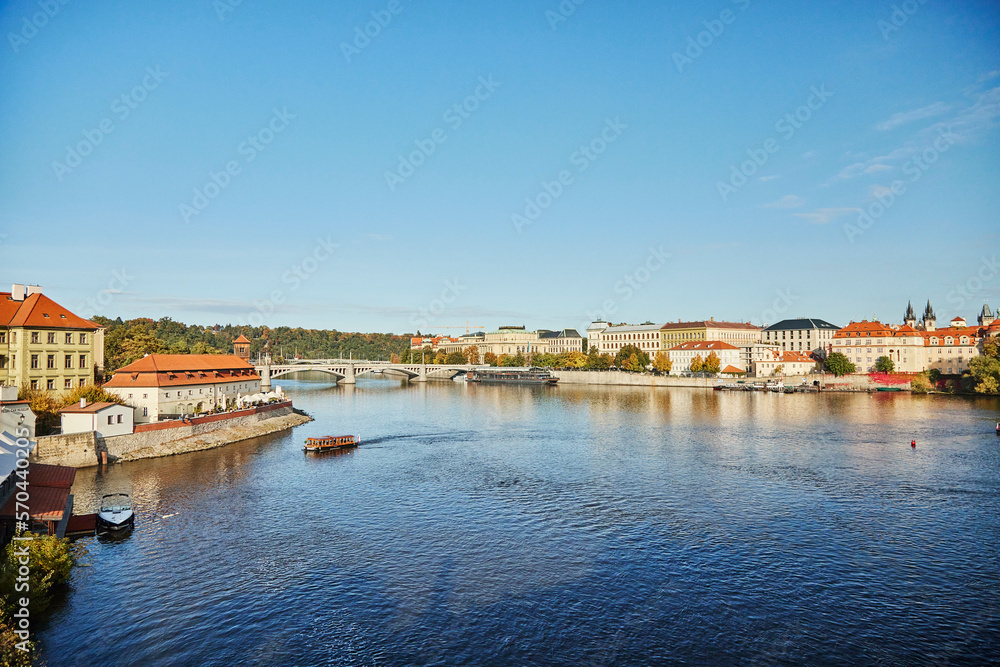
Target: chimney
[[83, 402], [34, 289], [17, 292]]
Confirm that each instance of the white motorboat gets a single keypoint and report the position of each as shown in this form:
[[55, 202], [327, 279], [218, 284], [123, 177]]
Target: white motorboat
[[116, 513]]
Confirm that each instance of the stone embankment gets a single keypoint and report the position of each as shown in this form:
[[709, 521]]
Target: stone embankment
[[81, 450], [858, 382]]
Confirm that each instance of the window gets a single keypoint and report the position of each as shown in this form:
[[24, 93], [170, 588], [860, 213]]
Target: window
[[68, 384], [83, 361], [83, 382], [119, 419], [83, 339], [111, 419], [34, 336], [145, 412], [3, 336], [145, 395], [50, 384], [34, 361], [51, 337], [69, 361], [69, 339], [167, 395], [51, 361], [34, 384]]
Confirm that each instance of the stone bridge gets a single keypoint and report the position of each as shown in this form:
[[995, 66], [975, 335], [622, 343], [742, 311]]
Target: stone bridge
[[345, 371]]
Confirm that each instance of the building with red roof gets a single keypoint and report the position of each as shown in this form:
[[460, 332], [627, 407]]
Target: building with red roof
[[44, 345], [162, 386], [730, 357]]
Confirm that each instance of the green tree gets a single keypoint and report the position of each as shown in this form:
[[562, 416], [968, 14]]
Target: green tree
[[627, 351], [518, 360], [934, 374], [712, 364], [440, 357], [838, 364], [985, 372], [697, 364], [991, 347], [884, 365], [46, 406], [920, 384], [455, 357]]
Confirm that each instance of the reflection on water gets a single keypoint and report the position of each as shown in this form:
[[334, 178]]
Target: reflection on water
[[486, 524]]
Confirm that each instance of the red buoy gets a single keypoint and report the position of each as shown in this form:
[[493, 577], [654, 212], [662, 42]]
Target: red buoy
[[913, 443]]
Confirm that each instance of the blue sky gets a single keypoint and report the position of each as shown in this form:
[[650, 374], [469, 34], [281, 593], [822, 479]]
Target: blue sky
[[514, 163]]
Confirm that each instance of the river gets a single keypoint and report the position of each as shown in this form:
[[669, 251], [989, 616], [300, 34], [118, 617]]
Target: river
[[574, 525]]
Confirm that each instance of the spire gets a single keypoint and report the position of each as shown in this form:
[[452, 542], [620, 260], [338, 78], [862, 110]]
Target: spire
[[929, 312], [986, 310], [909, 315]]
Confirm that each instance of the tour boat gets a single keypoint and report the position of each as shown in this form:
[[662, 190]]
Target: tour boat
[[512, 376], [116, 513], [331, 442]]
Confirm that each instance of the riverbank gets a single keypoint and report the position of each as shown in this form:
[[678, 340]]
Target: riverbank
[[82, 450], [858, 382]]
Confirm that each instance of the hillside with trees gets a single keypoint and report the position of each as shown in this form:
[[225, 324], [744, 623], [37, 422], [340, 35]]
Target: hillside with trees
[[128, 340]]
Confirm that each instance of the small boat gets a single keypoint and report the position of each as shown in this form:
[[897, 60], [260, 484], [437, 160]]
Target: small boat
[[512, 376], [888, 389], [116, 513], [329, 443]]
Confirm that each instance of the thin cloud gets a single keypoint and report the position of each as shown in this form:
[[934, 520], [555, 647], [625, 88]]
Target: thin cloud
[[764, 179], [822, 216], [905, 117], [788, 201]]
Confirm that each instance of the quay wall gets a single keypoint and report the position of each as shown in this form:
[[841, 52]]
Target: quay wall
[[77, 450], [857, 382], [81, 450]]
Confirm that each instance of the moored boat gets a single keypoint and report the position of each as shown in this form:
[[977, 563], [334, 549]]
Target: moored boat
[[328, 443], [512, 376], [116, 513]]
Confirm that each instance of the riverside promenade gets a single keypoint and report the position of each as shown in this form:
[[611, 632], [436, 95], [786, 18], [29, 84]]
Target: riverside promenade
[[827, 382]]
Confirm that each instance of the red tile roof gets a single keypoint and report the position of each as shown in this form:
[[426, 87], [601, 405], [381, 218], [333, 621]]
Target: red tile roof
[[732, 369], [167, 370], [863, 329], [39, 311], [40, 474], [90, 408], [241, 339], [46, 503], [798, 357]]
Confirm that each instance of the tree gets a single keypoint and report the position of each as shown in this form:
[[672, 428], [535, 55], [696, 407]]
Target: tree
[[93, 394], [440, 357], [46, 407], [576, 359], [627, 351], [394, 358], [985, 373], [778, 370], [884, 365], [632, 363], [697, 364], [472, 355], [505, 360], [838, 364], [920, 384], [712, 364], [490, 358], [662, 363], [455, 357], [518, 360], [991, 347]]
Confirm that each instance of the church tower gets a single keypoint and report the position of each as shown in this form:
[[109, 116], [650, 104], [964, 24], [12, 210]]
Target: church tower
[[929, 317], [910, 317], [986, 317]]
